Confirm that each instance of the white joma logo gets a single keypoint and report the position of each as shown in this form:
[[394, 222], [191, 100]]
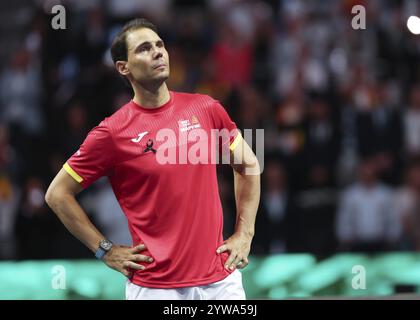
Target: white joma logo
[[141, 135]]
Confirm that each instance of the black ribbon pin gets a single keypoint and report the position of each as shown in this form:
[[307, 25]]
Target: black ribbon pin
[[149, 146]]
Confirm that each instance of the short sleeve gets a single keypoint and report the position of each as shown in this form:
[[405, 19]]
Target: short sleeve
[[94, 158], [224, 123]]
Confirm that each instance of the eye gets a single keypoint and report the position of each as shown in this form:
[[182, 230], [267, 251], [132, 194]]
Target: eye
[[144, 49]]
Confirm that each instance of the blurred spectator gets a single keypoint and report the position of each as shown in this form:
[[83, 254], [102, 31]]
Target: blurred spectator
[[313, 217], [10, 160], [253, 108], [348, 149], [367, 220], [35, 226], [271, 227], [127, 8], [232, 56], [93, 42], [76, 130], [225, 185], [106, 211], [379, 132], [290, 121], [179, 70], [412, 123], [322, 138], [20, 93], [286, 48], [290, 142], [409, 208], [9, 200]]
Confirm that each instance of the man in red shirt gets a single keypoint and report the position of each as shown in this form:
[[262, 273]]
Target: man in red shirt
[[158, 152]]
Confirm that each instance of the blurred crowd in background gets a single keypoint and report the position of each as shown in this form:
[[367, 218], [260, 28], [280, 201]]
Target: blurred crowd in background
[[340, 109]]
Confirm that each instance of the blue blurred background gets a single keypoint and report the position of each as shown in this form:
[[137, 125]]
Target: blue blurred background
[[340, 108]]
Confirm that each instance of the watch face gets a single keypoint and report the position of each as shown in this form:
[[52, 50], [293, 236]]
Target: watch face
[[106, 245]]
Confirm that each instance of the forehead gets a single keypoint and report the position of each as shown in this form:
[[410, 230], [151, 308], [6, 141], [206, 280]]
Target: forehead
[[136, 37]]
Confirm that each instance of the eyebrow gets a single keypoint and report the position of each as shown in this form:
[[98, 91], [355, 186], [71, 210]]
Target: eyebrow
[[147, 42]]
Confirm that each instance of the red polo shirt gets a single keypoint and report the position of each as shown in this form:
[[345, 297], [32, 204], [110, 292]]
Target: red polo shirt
[[173, 208]]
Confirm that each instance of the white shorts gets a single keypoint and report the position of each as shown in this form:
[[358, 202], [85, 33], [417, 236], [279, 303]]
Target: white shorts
[[230, 288]]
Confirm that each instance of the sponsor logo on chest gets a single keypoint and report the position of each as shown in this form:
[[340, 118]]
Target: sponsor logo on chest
[[187, 125]]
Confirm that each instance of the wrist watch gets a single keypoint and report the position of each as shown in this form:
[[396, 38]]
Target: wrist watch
[[104, 247]]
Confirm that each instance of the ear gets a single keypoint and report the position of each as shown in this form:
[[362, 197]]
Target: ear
[[122, 67]]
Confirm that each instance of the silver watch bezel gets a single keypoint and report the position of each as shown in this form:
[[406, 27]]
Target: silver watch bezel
[[106, 245]]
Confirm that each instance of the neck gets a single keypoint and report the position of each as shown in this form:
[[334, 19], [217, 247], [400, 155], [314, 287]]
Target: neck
[[151, 96]]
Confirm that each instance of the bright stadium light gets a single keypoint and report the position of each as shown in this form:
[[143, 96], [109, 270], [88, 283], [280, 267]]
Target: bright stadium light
[[413, 24]]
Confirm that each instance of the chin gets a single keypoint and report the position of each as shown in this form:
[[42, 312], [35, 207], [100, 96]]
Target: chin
[[163, 77], [154, 80]]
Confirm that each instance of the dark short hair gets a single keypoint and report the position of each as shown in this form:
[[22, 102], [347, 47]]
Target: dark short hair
[[119, 50]]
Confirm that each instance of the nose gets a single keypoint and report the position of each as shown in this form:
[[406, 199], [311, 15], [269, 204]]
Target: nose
[[157, 53]]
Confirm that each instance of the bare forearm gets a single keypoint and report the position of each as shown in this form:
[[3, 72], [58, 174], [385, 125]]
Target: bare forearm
[[247, 196], [75, 220]]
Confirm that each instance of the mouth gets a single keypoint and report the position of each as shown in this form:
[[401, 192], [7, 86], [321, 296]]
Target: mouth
[[160, 65]]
